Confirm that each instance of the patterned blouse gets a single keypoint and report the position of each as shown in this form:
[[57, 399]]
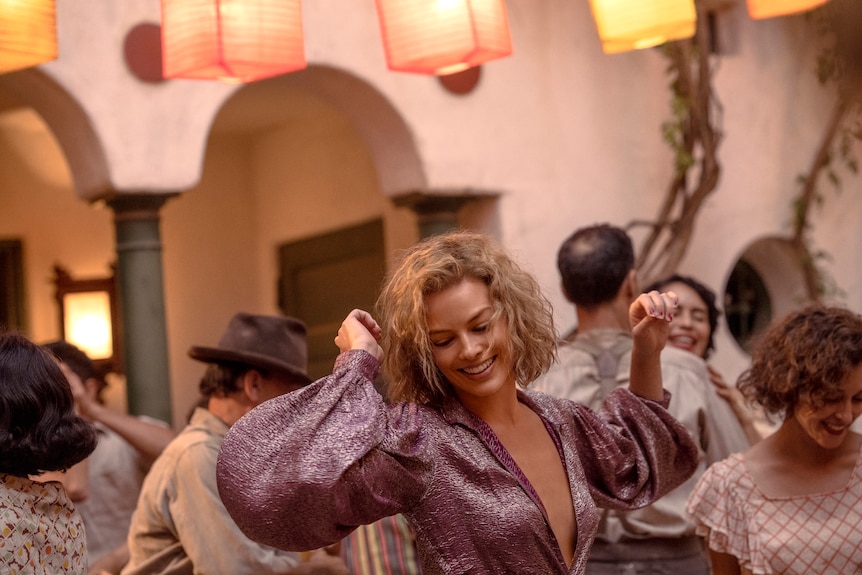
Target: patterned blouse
[[41, 533], [800, 535]]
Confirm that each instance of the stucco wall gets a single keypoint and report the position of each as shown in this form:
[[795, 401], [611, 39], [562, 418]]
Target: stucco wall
[[566, 135]]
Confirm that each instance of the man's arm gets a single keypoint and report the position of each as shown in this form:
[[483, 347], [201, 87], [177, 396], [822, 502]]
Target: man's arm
[[149, 438]]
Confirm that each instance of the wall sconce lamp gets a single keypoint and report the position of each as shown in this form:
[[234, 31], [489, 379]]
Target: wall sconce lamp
[[89, 317]]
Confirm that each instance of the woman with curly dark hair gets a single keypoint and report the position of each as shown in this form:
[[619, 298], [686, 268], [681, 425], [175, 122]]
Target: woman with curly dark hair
[[791, 503], [39, 432]]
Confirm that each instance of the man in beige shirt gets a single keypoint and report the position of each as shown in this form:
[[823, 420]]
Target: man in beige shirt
[[598, 276]]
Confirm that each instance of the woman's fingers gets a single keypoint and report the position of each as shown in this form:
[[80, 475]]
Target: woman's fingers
[[359, 330]]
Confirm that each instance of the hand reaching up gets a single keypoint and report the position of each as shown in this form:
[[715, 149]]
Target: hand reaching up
[[360, 331], [650, 316]]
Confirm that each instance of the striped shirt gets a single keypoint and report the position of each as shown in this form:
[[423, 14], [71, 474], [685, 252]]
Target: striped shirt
[[386, 547]]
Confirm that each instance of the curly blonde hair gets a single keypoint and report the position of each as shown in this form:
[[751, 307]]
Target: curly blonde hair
[[434, 265], [804, 358]]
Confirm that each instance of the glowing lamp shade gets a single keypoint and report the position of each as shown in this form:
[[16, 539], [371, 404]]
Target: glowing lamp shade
[[231, 40], [440, 37], [28, 33], [87, 323], [634, 24], [759, 9]]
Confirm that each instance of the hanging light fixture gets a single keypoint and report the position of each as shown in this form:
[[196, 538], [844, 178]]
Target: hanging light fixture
[[231, 40], [443, 36], [759, 9], [634, 24], [28, 33]]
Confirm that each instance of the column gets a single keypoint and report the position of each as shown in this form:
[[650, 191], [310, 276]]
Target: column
[[142, 301]]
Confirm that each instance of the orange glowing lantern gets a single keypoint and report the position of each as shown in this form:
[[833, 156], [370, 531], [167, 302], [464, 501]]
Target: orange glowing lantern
[[759, 9], [231, 40], [28, 33], [634, 24], [443, 36]]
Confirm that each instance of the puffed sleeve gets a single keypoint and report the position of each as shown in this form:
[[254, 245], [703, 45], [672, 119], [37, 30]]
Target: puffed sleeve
[[633, 451], [302, 470], [718, 506]]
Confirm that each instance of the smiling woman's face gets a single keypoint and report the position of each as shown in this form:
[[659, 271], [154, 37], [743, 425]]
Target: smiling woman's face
[[689, 329], [829, 424], [467, 343]]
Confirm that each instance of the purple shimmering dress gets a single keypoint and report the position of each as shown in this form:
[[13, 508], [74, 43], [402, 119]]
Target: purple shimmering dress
[[302, 470]]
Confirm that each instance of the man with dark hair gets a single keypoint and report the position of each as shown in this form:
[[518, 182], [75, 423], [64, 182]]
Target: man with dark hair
[[596, 265], [106, 485], [180, 525]]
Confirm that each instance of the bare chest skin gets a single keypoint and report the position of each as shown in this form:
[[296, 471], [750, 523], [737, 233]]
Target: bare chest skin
[[536, 454], [783, 471]]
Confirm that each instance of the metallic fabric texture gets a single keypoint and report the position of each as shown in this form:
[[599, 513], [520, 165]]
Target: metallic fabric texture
[[303, 470]]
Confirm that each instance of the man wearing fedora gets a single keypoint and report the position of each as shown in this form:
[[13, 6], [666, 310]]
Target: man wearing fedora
[[180, 525]]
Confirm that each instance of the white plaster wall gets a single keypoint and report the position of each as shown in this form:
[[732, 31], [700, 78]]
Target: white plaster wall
[[566, 135], [38, 205]]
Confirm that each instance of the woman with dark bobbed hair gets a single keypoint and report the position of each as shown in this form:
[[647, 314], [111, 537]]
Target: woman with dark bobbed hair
[[39, 432], [693, 330], [791, 503]]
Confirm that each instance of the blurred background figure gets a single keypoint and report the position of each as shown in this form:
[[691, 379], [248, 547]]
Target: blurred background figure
[[693, 330], [180, 525], [106, 485], [385, 547], [598, 275], [791, 503], [42, 531]]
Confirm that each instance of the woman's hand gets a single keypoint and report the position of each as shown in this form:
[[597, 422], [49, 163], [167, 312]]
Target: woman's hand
[[360, 331], [734, 397], [650, 316]]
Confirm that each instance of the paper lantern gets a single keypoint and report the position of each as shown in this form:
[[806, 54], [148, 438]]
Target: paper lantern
[[443, 36], [231, 40], [28, 33], [634, 24], [758, 9]]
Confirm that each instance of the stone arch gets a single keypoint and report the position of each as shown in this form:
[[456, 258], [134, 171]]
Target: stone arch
[[68, 122], [383, 129]]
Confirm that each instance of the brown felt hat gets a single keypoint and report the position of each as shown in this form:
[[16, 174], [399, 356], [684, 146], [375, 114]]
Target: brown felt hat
[[265, 342]]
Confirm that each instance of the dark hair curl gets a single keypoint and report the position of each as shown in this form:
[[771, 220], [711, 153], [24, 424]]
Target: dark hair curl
[[804, 358], [78, 361], [221, 379], [39, 430], [593, 263]]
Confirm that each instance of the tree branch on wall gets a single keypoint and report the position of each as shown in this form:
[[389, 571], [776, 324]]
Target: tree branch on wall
[[839, 63], [694, 135]]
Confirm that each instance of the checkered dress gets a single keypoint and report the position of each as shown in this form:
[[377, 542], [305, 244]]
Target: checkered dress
[[803, 535]]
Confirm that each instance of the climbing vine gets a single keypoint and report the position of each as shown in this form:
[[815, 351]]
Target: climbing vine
[[693, 132], [839, 64]]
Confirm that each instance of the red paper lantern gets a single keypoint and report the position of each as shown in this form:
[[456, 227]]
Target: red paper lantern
[[443, 36], [758, 9], [28, 33], [231, 40], [635, 24]]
